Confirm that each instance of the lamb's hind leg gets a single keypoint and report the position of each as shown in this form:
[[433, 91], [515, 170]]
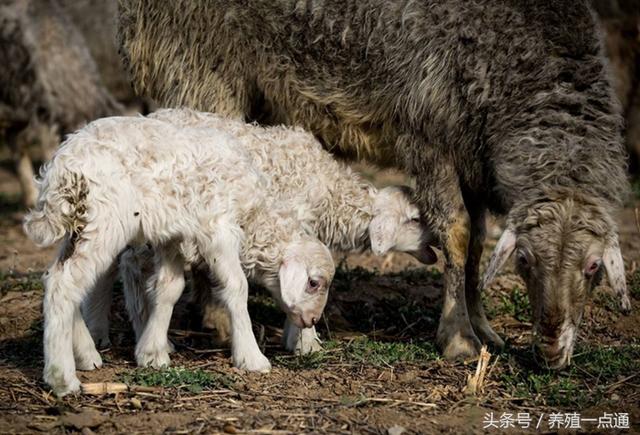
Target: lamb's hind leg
[[97, 307], [473, 290], [153, 347], [67, 281]]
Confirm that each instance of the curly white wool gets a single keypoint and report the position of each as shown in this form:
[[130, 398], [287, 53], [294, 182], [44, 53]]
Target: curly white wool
[[122, 181], [329, 200]]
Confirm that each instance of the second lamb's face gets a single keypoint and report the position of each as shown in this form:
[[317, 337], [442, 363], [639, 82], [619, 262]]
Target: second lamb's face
[[396, 226], [305, 276]]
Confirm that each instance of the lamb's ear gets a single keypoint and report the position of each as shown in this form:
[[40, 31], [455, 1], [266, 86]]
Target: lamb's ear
[[293, 280], [383, 232], [613, 264], [503, 250]]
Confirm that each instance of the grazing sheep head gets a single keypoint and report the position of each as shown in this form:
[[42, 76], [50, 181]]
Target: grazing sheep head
[[562, 249], [396, 225], [305, 276]]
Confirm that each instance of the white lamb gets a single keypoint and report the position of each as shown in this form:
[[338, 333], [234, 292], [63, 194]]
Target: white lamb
[[131, 181], [331, 201]]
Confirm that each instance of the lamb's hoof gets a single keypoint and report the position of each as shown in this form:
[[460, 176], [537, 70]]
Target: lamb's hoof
[[88, 360], [460, 347], [61, 382], [257, 363], [307, 345], [156, 358], [301, 341], [171, 348]]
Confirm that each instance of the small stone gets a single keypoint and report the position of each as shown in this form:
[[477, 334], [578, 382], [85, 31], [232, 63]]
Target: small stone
[[396, 430], [87, 417], [615, 397], [136, 403], [229, 428]]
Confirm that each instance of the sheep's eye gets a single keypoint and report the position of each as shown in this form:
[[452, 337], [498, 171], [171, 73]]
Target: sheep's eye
[[416, 220], [313, 285]]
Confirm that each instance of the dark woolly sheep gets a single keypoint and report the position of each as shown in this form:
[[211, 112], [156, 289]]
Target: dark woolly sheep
[[491, 105], [96, 21], [622, 47], [47, 78]]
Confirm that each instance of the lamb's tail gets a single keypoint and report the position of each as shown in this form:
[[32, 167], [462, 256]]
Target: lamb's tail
[[61, 207]]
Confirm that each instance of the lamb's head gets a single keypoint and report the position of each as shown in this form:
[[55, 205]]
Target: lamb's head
[[562, 249], [396, 225], [305, 276]]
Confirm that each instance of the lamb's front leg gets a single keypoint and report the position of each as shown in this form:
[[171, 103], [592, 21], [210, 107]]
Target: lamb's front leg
[[153, 347], [234, 293], [300, 341]]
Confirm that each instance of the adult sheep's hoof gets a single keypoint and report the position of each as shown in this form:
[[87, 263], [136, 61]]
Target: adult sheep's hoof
[[487, 335], [61, 382], [460, 347], [256, 363]]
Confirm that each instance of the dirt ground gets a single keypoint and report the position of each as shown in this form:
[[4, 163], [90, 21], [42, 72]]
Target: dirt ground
[[379, 373]]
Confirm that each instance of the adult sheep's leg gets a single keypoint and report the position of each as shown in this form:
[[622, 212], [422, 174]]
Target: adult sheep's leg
[[300, 341], [23, 167], [214, 312], [97, 306], [234, 292], [473, 289], [80, 263], [153, 347], [440, 197]]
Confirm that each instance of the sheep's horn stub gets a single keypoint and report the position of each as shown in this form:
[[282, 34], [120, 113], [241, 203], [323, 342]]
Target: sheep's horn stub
[[503, 250], [614, 265]]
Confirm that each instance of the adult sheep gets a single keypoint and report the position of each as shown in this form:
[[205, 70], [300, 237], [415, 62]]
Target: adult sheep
[[491, 105], [48, 81]]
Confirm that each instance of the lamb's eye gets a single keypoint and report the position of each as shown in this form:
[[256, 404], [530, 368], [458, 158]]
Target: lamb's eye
[[415, 220], [313, 283]]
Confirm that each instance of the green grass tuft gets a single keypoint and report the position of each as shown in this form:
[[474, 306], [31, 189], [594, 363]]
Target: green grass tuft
[[20, 282], [362, 351], [193, 380], [514, 304], [567, 388]]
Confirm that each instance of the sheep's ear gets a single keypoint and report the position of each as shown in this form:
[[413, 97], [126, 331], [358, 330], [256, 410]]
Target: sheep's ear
[[383, 231], [503, 250], [293, 280], [613, 264]]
